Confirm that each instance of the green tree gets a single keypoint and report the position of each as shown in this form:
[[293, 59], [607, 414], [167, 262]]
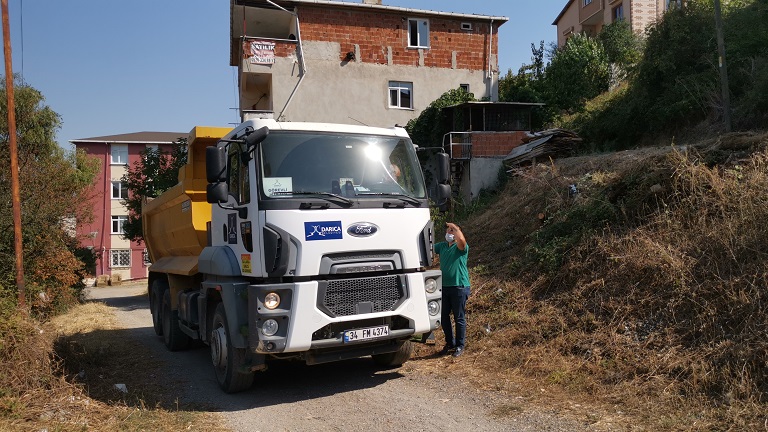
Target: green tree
[[578, 71], [527, 85], [428, 128], [622, 46], [154, 173], [49, 209]]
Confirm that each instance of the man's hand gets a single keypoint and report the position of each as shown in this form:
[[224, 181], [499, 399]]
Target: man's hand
[[458, 236]]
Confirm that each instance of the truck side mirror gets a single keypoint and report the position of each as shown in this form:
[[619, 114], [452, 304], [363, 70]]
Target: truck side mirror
[[443, 168], [256, 137], [443, 197], [215, 164], [217, 193]]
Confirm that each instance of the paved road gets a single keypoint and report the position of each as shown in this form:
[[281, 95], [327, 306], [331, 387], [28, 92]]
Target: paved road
[[343, 396]]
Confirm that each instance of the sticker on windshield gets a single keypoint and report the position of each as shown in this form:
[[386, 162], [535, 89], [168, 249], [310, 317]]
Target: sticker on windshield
[[277, 184], [328, 230]]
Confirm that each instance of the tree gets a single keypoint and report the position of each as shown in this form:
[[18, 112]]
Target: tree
[[622, 46], [50, 209], [527, 85], [428, 128], [578, 71], [156, 172]]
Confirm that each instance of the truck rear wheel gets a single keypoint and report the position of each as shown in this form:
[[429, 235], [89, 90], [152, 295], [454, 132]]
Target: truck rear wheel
[[397, 358], [228, 362], [156, 304], [174, 338]]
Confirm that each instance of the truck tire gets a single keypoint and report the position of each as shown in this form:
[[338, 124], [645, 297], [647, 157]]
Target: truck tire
[[228, 361], [174, 338], [395, 359], [156, 304]]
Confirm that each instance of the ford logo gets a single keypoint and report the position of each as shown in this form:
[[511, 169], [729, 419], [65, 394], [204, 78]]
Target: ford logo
[[362, 229]]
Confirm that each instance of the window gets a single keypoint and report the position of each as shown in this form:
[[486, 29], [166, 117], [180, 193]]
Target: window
[[673, 4], [586, 2], [119, 258], [239, 176], [145, 258], [153, 147], [400, 95], [119, 190], [418, 33], [618, 13], [117, 224], [466, 26], [464, 87], [119, 154]]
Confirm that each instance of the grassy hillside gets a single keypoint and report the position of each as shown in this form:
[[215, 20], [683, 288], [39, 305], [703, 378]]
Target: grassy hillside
[[635, 279]]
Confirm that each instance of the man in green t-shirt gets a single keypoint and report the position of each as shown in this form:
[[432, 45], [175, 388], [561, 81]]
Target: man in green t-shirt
[[453, 263]]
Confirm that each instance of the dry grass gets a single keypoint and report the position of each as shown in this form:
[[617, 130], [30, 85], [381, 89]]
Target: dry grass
[[643, 297], [40, 388]]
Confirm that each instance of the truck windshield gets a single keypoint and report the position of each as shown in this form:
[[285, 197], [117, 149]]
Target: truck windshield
[[359, 166]]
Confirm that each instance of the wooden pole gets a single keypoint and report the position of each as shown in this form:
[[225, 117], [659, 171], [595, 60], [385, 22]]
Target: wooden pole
[[724, 87], [14, 152]]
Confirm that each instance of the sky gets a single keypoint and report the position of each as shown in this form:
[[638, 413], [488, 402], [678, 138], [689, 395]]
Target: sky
[[115, 67]]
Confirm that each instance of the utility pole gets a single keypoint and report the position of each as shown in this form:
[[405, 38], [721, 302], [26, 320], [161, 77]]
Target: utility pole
[[725, 88], [14, 152]]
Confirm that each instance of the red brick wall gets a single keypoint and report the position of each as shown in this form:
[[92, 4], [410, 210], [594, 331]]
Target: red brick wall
[[374, 31], [494, 144]]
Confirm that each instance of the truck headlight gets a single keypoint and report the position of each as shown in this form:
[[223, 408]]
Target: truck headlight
[[271, 300], [269, 328], [434, 307], [430, 285]]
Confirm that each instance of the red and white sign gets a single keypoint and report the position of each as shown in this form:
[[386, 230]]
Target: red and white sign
[[262, 52]]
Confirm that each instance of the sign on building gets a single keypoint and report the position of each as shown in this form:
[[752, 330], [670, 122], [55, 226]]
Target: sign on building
[[262, 52]]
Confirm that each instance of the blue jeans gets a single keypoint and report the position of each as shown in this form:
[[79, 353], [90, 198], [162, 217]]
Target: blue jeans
[[454, 300]]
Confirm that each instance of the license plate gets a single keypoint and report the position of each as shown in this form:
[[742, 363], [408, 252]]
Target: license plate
[[366, 333]]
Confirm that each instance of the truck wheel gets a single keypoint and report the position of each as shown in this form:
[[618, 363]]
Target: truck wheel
[[228, 361], [156, 304], [397, 358], [173, 337]]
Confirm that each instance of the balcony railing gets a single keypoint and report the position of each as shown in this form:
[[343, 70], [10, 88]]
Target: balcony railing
[[458, 145]]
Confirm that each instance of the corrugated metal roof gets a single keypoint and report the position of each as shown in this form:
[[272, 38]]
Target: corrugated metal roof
[[361, 5], [136, 138]]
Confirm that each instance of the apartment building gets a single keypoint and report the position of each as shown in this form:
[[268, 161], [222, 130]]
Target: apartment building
[[359, 63], [589, 16], [117, 255]]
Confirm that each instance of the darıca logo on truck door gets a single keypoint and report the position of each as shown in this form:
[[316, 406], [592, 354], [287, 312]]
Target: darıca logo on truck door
[[327, 230]]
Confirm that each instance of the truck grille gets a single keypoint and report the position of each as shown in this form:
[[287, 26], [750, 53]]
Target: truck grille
[[344, 297]]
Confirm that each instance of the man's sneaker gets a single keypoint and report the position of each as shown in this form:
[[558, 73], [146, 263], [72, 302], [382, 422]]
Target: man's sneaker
[[458, 352], [446, 349]]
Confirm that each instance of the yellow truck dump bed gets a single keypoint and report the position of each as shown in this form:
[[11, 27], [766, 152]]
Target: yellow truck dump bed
[[175, 223]]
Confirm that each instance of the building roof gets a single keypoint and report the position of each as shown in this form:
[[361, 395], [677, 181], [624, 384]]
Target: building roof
[[562, 12], [135, 138], [361, 5]]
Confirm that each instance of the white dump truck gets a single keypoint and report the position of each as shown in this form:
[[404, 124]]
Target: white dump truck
[[294, 240]]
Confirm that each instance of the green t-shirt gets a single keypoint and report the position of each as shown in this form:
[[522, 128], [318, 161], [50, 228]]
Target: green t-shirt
[[453, 264]]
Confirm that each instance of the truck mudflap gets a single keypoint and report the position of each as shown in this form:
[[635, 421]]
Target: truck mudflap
[[299, 323]]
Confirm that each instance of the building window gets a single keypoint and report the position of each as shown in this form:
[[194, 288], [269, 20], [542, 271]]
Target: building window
[[119, 190], [400, 95], [145, 258], [586, 2], [618, 13], [152, 147], [119, 154], [673, 4], [117, 224], [464, 87], [418, 33], [119, 258]]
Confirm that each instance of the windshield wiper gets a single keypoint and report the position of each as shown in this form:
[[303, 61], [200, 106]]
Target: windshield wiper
[[323, 195], [405, 198]]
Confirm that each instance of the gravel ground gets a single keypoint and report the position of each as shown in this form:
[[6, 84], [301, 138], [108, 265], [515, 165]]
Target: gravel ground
[[342, 396]]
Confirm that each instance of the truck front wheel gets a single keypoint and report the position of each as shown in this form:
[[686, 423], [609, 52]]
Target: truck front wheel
[[228, 362], [397, 358], [174, 338]]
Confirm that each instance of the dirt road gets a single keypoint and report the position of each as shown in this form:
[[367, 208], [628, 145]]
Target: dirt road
[[344, 396]]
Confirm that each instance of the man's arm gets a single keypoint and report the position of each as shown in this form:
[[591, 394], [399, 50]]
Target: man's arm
[[458, 236]]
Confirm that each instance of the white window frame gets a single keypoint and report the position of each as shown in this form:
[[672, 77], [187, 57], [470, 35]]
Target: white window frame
[[465, 87], [145, 258], [118, 258], [119, 154], [120, 220], [120, 189], [419, 38], [399, 87]]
